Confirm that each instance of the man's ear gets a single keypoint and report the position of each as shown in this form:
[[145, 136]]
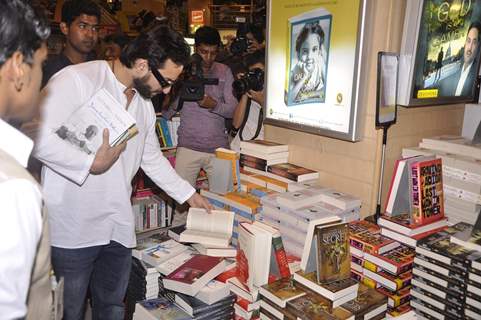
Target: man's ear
[[64, 28], [141, 66], [13, 70]]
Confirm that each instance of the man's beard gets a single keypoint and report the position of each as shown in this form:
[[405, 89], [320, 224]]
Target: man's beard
[[140, 84]]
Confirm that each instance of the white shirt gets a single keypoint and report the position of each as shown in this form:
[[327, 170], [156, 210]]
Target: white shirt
[[250, 127], [20, 226], [97, 210], [462, 79]]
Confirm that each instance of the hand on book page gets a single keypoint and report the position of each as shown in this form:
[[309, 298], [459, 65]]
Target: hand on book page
[[106, 155], [198, 201]]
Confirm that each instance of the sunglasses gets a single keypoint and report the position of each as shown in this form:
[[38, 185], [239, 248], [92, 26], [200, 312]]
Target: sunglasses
[[162, 81]]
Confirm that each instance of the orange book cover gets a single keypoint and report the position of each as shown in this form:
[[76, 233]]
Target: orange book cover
[[244, 198], [427, 192], [233, 157]]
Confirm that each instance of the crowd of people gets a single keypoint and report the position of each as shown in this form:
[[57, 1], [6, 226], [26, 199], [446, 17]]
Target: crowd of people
[[73, 225]]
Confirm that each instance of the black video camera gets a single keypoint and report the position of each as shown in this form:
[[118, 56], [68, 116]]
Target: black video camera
[[193, 86], [252, 80]]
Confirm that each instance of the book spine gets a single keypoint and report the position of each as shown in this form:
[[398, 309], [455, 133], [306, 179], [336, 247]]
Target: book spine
[[165, 131], [160, 134], [415, 211], [281, 257]]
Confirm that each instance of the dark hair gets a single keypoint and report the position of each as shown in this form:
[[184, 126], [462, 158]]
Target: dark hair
[[156, 46], [119, 39], [309, 28], [207, 35], [73, 9], [22, 29], [257, 56], [477, 25], [257, 32]]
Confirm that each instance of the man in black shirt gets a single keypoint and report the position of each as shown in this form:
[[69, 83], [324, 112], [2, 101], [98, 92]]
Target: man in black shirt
[[80, 20]]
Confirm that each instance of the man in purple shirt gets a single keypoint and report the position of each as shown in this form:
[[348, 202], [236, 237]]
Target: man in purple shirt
[[202, 123]]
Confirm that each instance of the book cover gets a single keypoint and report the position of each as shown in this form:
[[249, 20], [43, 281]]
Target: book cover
[[312, 306], [470, 237], [372, 243], [427, 192], [83, 129], [194, 269], [292, 172], [281, 291], [363, 226], [307, 57], [162, 252], [367, 299], [333, 258], [330, 290], [402, 223], [160, 308], [395, 261]]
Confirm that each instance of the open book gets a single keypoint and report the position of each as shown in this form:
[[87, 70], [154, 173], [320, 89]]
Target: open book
[[214, 229], [83, 129]]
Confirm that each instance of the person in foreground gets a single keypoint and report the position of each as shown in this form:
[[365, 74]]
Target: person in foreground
[[25, 290], [88, 195]]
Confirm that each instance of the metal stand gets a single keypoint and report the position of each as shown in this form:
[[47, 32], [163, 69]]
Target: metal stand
[[381, 174]]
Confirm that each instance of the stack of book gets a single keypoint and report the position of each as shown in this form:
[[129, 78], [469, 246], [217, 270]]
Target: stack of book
[[292, 212], [461, 180], [401, 229], [440, 276], [392, 273], [143, 284]]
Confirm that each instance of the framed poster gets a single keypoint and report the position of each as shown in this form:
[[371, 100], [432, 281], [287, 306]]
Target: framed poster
[[440, 52], [314, 54]]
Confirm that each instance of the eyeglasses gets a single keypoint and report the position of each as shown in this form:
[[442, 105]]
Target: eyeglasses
[[164, 83]]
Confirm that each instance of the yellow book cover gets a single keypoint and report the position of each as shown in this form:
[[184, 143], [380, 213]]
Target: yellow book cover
[[226, 154], [245, 199]]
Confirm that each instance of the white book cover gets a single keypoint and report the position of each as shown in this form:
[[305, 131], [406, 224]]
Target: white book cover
[[263, 146], [341, 200], [84, 128], [301, 198], [162, 252], [213, 292]]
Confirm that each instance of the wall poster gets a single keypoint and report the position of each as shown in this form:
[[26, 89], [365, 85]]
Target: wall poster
[[313, 70]]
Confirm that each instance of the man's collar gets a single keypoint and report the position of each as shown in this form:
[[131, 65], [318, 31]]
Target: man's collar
[[15, 143]]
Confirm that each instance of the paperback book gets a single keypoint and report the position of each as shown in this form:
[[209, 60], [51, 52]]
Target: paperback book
[[83, 129]]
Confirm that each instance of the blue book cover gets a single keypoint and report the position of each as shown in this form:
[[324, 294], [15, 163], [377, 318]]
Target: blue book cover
[[307, 56], [165, 131]]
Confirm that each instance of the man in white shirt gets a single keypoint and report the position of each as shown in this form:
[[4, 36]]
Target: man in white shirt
[[461, 83], [25, 289], [88, 195]]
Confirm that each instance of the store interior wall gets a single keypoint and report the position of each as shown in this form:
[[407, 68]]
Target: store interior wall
[[354, 167]]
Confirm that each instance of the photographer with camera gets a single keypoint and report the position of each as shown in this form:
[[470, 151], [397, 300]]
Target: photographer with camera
[[248, 115], [202, 122]]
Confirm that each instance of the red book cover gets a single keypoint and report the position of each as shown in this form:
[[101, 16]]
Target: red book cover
[[363, 226], [372, 243], [252, 164], [242, 266], [395, 261], [427, 192], [245, 157], [226, 275], [281, 257], [193, 269]]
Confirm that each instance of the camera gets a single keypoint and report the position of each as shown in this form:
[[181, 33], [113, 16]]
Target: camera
[[252, 80], [193, 86], [239, 45]]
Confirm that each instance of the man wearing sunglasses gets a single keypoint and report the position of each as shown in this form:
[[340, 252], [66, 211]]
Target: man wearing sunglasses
[[88, 195], [202, 123]]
